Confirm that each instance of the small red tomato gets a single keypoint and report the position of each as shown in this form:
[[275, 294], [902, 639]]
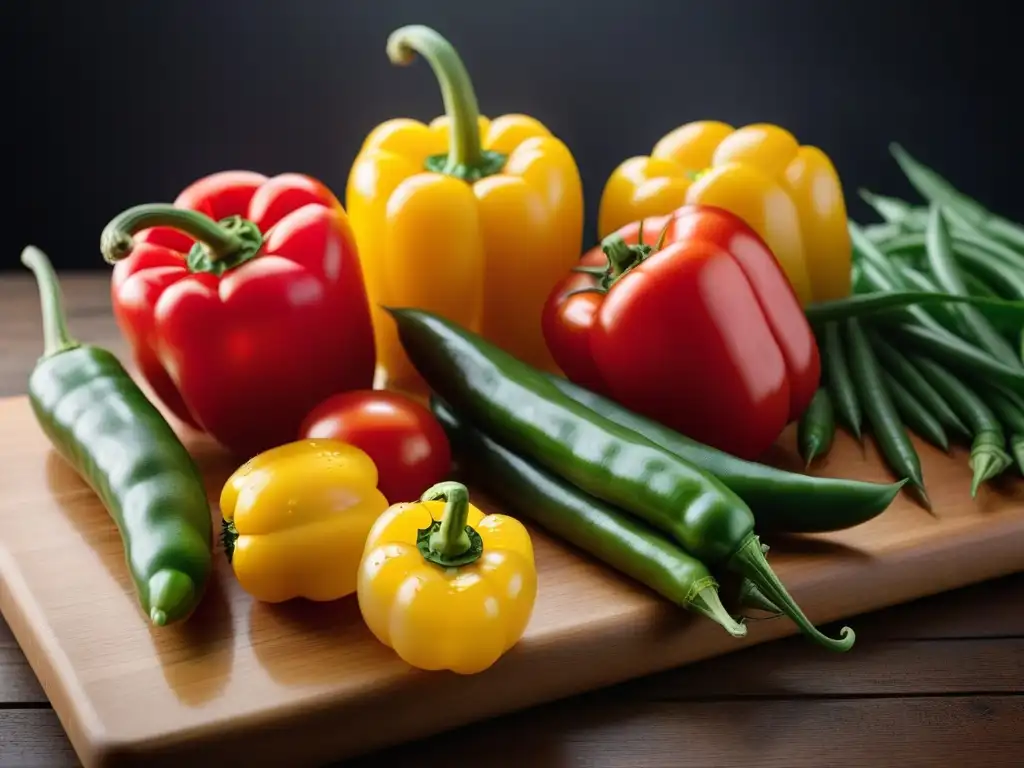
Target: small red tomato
[[405, 441]]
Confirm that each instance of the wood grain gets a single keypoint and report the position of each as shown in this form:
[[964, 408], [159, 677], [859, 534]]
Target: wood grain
[[694, 712]]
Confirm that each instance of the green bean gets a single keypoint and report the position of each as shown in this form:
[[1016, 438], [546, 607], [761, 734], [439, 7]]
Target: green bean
[[958, 354], [837, 379], [871, 254], [1009, 279], [979, 287], [919, 281], [1010, 412], [939, 249], [890, 434], [817, 427], [977, 253], [893, 210], [934, 188], [988, 457], [894, 361], [878, 233], [913, 413]]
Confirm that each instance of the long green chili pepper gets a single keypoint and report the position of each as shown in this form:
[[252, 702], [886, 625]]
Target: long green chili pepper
[[939, 249], [890, 434], [958, 354], [914, 414], [518, 406], [1010, 412], [817, 427], [896, 363], [988, 457], [105, 427], [627, 544], [934, 188], [837, 379]]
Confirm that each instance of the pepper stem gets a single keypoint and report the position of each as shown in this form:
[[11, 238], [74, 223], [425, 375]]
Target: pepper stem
[[221, 245], [466, 158], [749, 561], [56, 337], [450, 542], [708, 602]]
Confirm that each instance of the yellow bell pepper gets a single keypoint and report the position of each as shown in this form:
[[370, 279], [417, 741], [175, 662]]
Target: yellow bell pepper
[[296, 519], [790, 194], [471, 218], [445, 586]]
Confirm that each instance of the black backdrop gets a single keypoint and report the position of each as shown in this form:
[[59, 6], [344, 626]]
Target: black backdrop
[[108, 103]]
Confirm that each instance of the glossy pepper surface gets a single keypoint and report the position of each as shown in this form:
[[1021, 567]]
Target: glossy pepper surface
[[702, 333], [243, 303], [296, 518], [104, 426], [472, 218], [446, 586], [788, 192]]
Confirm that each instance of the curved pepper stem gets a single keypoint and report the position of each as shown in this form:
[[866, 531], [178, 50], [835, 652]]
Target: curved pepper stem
[[749, 561], [220, 245], [56, 336], [450, 542], [466, 158]]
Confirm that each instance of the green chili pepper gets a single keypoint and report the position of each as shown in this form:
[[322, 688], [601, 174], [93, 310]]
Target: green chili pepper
[[784, 502], [837, 379], [913, 413], [939, 249], [817, 427], [518, 407], [1010, 412], [625, 543], [936, 189], [896, 363], [891, 435], [104, 426], [958, 354], [988, 458]]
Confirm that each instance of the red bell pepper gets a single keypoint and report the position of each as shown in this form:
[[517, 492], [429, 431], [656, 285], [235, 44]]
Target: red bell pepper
[[701, 332], [243, 303]]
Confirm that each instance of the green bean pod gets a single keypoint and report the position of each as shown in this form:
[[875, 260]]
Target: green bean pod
[[914, 414], [625, 543], [817, 427], [944, 313], [519, 407], [1010, 412], [896, 363], [978, 259], [988, 456], [979, 287], [939, 249], [890, 434], [104, 426], [958, 354], [837, 379]]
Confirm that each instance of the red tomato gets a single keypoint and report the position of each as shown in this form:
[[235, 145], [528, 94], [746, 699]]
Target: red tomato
[[405, 441]]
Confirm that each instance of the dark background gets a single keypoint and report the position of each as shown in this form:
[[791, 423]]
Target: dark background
[[110, 103]]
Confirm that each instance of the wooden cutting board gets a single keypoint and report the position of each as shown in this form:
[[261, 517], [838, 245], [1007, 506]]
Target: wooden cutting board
[[304, 684]]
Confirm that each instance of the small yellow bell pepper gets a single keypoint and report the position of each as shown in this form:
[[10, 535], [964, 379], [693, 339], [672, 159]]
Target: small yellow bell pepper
[[790, 194], [471, 218], [296, 519], [446, 586]]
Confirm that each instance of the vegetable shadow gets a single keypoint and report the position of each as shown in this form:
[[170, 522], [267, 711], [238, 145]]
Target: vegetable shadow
[[301, 642], [206, 635]]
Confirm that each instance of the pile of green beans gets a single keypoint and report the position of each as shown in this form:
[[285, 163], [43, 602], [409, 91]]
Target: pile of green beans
[[943, 362]]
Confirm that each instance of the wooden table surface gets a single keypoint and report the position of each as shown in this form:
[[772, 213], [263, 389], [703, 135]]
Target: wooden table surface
[[936, 682]]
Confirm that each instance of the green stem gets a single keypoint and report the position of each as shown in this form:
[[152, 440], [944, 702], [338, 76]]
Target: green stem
[[56, 337], [749, 560], [621, 256], [219, 247], [466, 158], [450, 542]]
